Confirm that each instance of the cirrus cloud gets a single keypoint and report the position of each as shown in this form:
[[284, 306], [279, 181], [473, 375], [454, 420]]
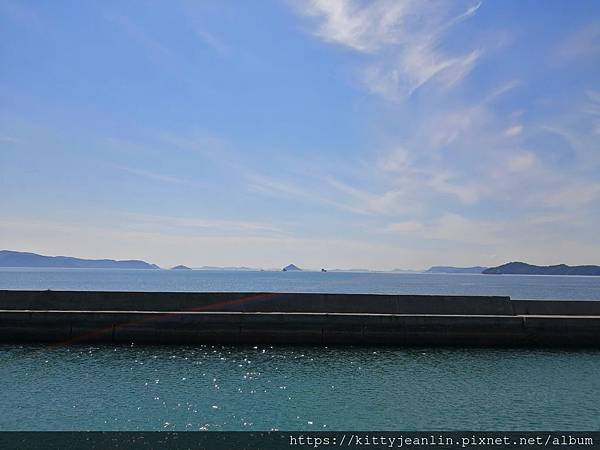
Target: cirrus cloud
[[402, 40]]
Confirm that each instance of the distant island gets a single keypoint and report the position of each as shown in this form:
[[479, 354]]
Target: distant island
[[404, 271], [10, 258], [521, 268], [450, 269]]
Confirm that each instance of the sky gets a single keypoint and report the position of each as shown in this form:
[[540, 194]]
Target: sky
[[324, 133]]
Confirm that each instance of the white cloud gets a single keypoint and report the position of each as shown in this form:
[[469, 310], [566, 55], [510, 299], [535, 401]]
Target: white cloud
[[455, 227], [396, 160], [572, 195], [156, 223], [513, 131], [10, 140], [402, 39], [582, 44], [592, 109], [154, 49], [452, 227], [409, 226], [364, 28], [593, 105], [317, 196], [501, 90], [576, 131], [211, 40], [388, 203], [553, 219], [154, 175], [198, 20], [468, 193], [521, 162], [446, 128]]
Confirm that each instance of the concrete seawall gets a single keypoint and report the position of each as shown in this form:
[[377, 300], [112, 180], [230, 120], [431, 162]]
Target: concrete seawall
[[287, 318]]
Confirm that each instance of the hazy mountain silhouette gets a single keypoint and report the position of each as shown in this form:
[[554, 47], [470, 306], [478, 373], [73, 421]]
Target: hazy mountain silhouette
[[521, 268], [450, 269], [10, 258]]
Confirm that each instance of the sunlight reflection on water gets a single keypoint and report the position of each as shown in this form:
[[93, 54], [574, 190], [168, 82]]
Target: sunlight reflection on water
[[296, 388]]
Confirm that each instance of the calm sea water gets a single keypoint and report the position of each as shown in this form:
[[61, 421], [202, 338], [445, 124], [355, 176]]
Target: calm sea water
[[517, 286], [264, 388], [295, 388]]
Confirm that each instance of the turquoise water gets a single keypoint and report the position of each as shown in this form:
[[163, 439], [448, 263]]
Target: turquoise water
[[517, 286], [294, 388], [285, 388]]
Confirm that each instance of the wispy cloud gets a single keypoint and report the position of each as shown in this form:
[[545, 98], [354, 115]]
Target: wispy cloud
[[452, 227], [509, 238], [311, 187], [271, 186], [388, 202], [515, 130], [501, 90], [521, 161], [467, 192], [409, 226], [156, 51], [154, 175], [185, 225], [10, 139], [572, 195], [212, 40], [401, 39], [584, 43]]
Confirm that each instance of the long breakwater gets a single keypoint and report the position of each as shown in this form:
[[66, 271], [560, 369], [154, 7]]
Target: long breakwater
[[72, 317]]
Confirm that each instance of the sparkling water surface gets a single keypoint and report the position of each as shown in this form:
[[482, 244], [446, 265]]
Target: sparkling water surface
[[297, 388]]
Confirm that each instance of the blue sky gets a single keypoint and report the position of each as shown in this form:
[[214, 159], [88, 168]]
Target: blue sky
[[377, 134]]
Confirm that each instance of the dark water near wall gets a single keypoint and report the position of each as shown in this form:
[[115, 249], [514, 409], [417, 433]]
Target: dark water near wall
[[516, 286], [264, 388]]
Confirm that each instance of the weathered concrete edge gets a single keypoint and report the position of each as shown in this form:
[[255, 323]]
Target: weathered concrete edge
[[289, 302]]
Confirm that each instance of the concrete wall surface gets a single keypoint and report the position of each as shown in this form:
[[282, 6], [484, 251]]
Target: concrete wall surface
[[298, 328], [253, 302], [285, 318]]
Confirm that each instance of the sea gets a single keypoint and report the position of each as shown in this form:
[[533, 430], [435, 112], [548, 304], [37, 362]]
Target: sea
[[262, 388]]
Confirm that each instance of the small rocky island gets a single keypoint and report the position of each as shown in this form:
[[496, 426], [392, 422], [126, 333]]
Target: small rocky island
[[181, 267], [291, 268]]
